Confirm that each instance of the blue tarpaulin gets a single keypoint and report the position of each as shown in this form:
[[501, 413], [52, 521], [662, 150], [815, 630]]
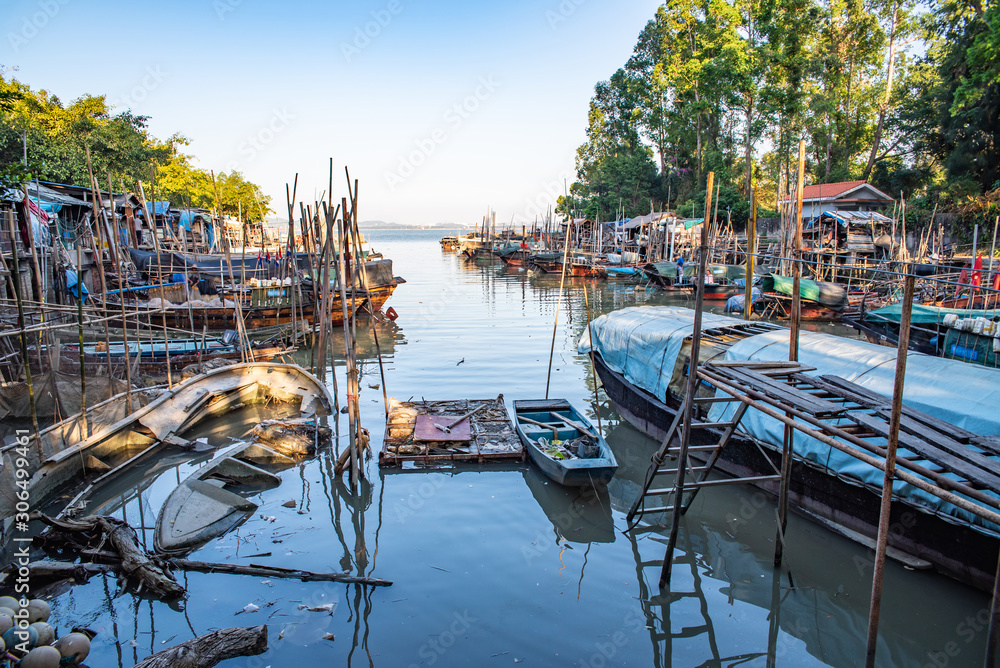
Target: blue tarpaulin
[[71, 279], [642, 344]]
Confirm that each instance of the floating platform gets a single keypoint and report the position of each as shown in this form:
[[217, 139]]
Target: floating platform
[[431, 431]]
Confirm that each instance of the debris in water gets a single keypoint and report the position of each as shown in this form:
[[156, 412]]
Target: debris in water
[[328, 636], [249, 607], [289, 504]]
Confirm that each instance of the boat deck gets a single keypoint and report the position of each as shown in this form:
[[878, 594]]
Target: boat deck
[[413, 432]]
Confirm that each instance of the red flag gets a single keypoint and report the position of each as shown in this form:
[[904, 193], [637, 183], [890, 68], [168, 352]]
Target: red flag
[[996, 281], [279, 255], [977, 269]]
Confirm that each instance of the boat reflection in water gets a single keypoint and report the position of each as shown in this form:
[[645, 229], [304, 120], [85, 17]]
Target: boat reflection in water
[[817, 602], [579, 515]]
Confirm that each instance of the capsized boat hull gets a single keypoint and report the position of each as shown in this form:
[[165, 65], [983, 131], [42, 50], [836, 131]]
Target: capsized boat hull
[[568, 423], [204, 506]]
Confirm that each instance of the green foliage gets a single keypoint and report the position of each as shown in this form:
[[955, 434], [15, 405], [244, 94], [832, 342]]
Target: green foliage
[[902, 93], [58, 137]]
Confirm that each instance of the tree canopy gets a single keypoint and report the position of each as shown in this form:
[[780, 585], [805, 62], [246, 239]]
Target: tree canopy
[[903, 94], [56, 136]]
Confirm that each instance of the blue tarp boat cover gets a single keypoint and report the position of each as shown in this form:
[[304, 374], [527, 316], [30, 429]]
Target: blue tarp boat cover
[[642, 344]]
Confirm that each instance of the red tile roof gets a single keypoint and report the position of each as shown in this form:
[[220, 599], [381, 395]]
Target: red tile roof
[[828, 190]]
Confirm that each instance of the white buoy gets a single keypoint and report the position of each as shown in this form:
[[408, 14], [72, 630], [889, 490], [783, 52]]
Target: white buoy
[[41, 657], [74, 646], [38, 611]]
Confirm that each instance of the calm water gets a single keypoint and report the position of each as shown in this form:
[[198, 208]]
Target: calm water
[[495, 566]]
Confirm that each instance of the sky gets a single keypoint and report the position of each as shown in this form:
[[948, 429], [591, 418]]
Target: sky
[[441, 110]]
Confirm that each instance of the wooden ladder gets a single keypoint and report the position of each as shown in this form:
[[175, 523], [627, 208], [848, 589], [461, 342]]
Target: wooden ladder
[[698, 472]]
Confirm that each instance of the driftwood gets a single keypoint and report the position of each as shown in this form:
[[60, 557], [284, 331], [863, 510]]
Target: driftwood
[[48, 569], [135, 562], [274, 571], [211, 648]]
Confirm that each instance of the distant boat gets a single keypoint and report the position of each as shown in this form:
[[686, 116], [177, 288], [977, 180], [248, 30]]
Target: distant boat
[[563, 443], [449, 243]]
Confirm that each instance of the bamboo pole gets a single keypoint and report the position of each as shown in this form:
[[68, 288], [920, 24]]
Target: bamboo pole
[[163, 307], [691, 390], [882, 539], [593, 369], [793, 356], [562, 284], [290, 197], [352, 397], [121, 299], [20, 324], [99, 262], [374, 321], [237, 298], [751, 251]]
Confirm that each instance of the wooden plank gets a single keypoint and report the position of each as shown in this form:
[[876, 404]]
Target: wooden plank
[[783, 392], [944, 442], [866, 397], [983, 477], [541, 405]]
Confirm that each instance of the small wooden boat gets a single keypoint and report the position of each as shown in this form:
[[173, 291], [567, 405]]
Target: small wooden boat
[[563, 443], [207, 505], [449, 243]]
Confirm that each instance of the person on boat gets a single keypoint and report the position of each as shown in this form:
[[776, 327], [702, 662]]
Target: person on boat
[[709, 278], [680, 268]]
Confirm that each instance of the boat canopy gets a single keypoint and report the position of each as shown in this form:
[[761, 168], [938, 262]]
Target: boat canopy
[[642, 344], [823, 293], [927, 315]]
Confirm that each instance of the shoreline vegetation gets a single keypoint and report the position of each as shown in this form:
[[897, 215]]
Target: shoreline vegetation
[[899, 94]]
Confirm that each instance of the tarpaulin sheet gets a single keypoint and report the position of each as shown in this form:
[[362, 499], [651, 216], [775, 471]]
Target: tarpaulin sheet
[[962, 394], [927, 315], [824, 293], [642, 342]]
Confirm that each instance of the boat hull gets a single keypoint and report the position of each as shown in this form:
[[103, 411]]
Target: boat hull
[[847, 508], [570, 472]]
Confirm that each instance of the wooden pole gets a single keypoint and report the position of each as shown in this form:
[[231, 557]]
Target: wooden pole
[[562, 284], [751, 251], [99, 261], [121, 300], [793, 356], [593, 369], [890, 467], [20, 324], [163, 305], [691, 390], [352, 398], [237, 298]]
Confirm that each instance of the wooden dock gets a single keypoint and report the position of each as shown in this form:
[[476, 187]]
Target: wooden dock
[[429, 431]]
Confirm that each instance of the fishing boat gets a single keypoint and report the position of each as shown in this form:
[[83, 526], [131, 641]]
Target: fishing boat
[[150, 357], [449, 243], [819, 300], [208, 503], [563, 443], [112, 441], [642, 356], [962, 334]]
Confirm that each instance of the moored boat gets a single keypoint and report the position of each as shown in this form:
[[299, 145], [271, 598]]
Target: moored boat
[[827, 485], [563, 443]]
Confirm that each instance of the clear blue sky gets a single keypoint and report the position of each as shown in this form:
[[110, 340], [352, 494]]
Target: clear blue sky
[[440, 109]]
